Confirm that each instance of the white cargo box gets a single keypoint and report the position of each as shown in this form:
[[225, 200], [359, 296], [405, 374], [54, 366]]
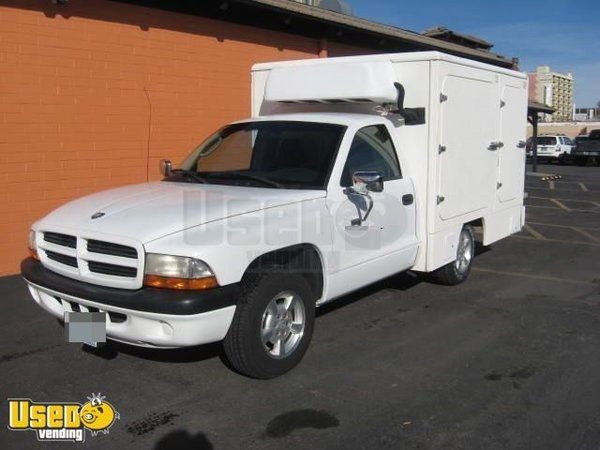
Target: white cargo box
[[466, 161]]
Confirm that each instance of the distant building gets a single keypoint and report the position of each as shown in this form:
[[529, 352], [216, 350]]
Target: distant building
[[586, 114], [466, 40], [553, 89]]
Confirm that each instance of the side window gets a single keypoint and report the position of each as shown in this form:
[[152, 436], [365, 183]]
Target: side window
[[371, 149]]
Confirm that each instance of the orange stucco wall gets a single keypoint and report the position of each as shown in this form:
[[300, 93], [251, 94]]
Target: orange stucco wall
[[94, 94]]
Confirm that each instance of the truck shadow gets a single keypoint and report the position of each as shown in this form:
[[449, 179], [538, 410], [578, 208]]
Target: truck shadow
[[183, 440], [398, 282], [112, 350]]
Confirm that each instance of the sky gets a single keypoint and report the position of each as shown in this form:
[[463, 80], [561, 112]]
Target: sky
[[562, 34]]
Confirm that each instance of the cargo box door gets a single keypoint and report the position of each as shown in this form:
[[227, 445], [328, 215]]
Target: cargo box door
[[513, 117], [467, 168]]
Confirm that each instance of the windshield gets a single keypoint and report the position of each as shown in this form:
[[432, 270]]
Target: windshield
[[546, 140], [277, 154]]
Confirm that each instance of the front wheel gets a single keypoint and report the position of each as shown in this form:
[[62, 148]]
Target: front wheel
[[458, 271], [273, 324], [581, 160]]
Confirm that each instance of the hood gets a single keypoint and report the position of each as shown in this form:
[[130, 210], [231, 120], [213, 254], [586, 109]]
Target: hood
[[152, 210]]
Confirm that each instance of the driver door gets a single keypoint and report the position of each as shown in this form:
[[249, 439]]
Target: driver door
[[386, 239]]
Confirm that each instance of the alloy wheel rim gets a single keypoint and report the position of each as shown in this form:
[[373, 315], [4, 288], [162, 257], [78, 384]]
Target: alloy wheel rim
[[465, 253], [283, 323]]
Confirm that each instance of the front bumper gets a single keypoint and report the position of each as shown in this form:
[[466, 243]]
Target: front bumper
[[145, 317]]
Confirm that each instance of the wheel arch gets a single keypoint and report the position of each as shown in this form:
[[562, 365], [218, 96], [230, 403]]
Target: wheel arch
[[478, 226], [304, 258]]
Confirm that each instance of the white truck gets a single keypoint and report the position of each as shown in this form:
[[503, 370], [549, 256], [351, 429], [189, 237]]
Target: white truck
[[350, 170]]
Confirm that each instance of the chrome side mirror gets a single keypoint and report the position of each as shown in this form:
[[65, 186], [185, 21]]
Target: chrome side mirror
[[166, 168], [365, 181]]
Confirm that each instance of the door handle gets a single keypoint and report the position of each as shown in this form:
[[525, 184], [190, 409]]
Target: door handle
[[495, 145], [521, 144], [407, 199]]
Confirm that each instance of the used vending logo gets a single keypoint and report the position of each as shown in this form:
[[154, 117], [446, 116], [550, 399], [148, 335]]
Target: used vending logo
[[63, 421]]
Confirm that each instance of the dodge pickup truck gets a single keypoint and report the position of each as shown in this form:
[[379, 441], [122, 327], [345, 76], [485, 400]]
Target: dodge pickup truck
[[350, 170]]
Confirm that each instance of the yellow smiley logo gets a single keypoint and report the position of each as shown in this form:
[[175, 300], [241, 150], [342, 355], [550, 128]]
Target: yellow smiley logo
[[97, 414]]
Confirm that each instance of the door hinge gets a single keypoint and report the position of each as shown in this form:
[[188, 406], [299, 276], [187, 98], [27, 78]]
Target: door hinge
[[440, 199], [498, 185], [441, 149], [502, 103], [443, 98]]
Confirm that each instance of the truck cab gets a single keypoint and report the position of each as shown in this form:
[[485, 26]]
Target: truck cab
[[329, 187]]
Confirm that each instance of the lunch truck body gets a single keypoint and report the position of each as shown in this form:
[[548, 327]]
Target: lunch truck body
[[350, 170]]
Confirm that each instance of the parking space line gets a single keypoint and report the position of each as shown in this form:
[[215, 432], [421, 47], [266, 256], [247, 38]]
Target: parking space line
[[572, 182], [583, 187], [593, 202], [579, 230], [591, 211], [559, 204], [562, 226], [558, 241], [534, 233], [588, 235], [551, 185], [533, 277], [527, 188]]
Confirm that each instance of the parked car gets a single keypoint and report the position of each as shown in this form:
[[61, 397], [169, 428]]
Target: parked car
[[587, 147], [332, 185], [551, 148]]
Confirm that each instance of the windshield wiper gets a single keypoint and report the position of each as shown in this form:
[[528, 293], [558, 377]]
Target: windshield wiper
[[190, 174], [235, 174]]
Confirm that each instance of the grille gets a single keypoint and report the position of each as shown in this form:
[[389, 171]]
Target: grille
[[116, 264], [63, 259], [61, 239], [108, 248], [112, 269]]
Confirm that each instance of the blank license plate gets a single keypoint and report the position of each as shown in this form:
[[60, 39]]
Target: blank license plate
[[85, 327]]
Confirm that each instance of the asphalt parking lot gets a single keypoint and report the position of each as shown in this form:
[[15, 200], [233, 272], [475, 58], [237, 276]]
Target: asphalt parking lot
[[510, 359]]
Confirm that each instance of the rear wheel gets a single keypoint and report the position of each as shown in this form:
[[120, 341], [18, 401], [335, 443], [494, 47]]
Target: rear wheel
[[272, 326], [458, 271]]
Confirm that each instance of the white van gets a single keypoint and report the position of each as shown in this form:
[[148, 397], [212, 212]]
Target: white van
[[350, 170]]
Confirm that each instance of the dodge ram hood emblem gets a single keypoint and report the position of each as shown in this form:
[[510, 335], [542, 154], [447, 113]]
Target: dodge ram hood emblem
[[98, 215]]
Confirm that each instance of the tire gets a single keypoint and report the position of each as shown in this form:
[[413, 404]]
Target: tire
[[581, 160], [458, 271], [261, 303]]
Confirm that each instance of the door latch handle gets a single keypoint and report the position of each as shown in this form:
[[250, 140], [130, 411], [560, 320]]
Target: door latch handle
[[407, 199], [495, 145], [521, 144]]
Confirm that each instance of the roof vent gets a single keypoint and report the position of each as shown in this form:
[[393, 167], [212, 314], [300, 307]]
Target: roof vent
[[338, 6]]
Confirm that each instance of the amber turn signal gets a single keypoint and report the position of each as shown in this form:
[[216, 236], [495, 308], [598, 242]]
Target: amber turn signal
[[180, 283]]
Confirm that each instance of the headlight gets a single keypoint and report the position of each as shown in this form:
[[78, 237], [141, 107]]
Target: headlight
[[32, 245], [178, 272]]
